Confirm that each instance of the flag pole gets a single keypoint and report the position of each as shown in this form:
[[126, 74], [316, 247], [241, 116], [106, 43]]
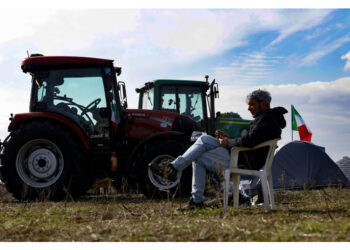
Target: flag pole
[[291, 116]]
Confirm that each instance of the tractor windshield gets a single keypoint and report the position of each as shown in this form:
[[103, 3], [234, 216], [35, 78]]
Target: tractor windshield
[[75, 93], [186, 100]]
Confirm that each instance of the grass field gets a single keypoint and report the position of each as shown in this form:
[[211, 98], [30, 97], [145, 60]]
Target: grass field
[[307, 215]]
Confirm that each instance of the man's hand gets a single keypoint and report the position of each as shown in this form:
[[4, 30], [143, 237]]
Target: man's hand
[[221, 134], [223, 141]]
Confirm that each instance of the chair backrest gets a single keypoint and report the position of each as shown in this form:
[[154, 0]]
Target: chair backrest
[[272, 144]]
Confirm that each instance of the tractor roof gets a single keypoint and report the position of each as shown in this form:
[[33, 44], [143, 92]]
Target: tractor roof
[[39, 62], [178, 82], [157, 83]]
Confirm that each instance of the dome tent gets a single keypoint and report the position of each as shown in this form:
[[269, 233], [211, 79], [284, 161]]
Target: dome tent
[[302, 164]]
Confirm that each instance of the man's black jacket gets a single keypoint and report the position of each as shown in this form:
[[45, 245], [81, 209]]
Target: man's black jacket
[[266, 126]]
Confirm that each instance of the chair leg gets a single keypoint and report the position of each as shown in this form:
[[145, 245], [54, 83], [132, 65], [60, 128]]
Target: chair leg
[[236, 190], [271, 194], [265, 191], [226, 187]]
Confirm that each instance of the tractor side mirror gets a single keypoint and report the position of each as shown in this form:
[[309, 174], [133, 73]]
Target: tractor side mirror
[[216, 90], [124, 90], [122, 94]]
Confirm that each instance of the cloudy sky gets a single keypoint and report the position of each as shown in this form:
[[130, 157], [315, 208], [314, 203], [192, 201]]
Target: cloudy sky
[[302, 56]]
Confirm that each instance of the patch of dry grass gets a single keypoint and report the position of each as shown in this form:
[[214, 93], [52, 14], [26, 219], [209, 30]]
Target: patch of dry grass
[[309, 215]]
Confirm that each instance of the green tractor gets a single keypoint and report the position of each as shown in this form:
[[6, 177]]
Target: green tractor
[[196, 99]]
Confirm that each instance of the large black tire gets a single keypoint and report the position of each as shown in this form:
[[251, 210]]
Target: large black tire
[[153, 185], [44, 161]]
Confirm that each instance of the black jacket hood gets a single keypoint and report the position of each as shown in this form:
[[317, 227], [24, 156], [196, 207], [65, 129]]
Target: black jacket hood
[[278, 113]]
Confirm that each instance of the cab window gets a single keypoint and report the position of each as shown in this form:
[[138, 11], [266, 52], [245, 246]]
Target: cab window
[[168, 99], [186, 100], [147, 99], [76, 93]]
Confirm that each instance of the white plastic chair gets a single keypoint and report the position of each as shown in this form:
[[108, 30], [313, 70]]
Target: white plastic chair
[[264, 174]]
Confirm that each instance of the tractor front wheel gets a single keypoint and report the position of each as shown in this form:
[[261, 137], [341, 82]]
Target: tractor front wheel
[[44, 161]]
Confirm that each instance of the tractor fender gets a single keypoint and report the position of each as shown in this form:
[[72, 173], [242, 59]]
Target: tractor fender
[[70, 125], [148, 139]]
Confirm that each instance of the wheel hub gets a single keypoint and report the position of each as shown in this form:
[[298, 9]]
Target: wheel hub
[[42, 163], [39, 163]]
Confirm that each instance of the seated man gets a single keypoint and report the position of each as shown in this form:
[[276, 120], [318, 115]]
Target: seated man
[[209, 153]]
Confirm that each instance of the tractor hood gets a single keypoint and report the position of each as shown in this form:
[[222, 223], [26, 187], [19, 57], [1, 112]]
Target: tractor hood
[[144, 123]]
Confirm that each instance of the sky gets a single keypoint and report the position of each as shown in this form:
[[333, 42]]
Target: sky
[[301, 56]]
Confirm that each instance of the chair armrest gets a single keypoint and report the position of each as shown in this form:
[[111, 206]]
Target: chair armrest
[[263, 144]]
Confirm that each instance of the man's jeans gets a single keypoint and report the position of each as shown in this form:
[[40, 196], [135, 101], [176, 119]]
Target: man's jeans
[[205, 154]]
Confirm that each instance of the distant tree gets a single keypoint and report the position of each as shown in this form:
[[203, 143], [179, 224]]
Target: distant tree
[[230, 115]]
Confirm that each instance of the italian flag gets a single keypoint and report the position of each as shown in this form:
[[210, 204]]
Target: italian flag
[[298, 124]]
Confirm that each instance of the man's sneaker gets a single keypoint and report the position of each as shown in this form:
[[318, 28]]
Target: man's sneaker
[[171, 172], [191, 205], [166, 170]]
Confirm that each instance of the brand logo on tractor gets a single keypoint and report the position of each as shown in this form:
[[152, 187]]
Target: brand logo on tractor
[[139, 114], [163, 123]]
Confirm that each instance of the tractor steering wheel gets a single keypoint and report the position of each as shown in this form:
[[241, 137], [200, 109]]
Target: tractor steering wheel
[[91, 106]]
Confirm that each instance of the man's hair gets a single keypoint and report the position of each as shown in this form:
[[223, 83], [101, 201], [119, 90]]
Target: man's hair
[[260, 95]]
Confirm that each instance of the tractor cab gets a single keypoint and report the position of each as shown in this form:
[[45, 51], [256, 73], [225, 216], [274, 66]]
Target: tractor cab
[[80, 89], [178, 96]]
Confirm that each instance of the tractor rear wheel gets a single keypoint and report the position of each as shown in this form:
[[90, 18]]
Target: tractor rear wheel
[[44, 161], [154, 184]]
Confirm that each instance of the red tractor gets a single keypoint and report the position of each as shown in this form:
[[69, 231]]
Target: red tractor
[[78, 128]]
